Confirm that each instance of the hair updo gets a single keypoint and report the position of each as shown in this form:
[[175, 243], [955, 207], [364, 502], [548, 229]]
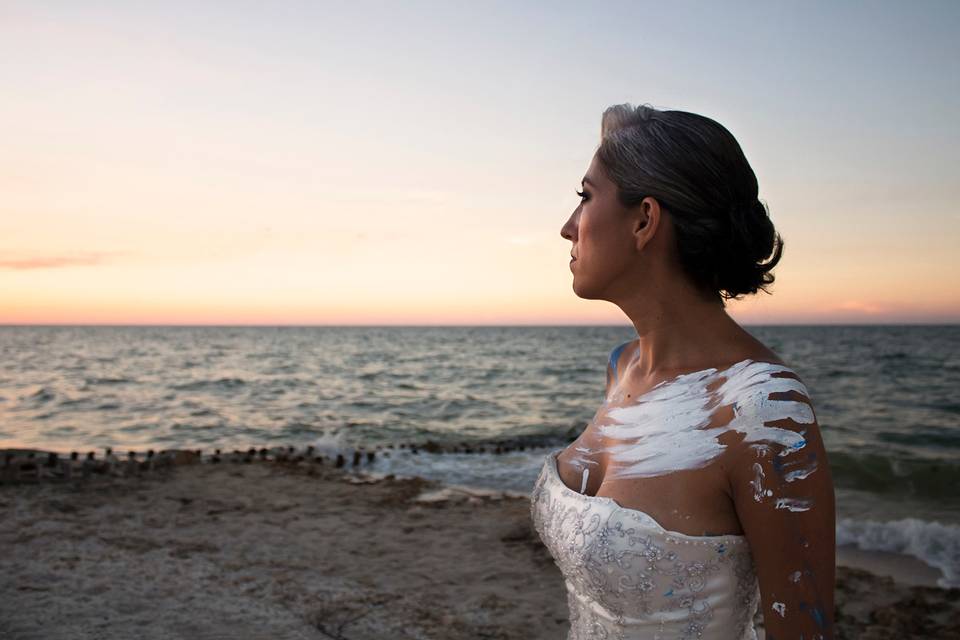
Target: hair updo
[[696, 170]]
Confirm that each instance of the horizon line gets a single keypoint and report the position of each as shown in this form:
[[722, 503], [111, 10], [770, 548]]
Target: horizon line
[[454, 325]]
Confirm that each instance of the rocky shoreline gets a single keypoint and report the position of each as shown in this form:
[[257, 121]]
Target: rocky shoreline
[[300, 544], [25, 465]]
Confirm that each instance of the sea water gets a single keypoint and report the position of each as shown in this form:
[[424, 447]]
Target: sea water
[[885, 397]]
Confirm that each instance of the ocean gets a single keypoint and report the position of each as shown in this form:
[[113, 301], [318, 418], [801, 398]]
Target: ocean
[[885, 397]]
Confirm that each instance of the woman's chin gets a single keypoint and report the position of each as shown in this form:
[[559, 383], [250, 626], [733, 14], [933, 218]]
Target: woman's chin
[[583, 291], [591, 290]]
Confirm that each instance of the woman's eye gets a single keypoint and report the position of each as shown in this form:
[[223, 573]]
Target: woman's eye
[[583, 195]]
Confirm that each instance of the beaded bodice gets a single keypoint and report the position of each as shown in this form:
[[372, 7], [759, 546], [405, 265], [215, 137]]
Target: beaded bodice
[[628, 578]]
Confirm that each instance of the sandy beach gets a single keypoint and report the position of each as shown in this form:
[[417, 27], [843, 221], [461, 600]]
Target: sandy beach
[[270, 549]]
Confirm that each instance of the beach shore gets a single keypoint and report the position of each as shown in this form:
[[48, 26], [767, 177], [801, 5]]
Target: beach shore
[[305, 550]]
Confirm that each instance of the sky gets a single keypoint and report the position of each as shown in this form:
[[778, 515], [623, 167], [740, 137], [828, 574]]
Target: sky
[[413, 162]]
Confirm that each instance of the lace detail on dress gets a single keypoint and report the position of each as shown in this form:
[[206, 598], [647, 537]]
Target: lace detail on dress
[[627, 577]]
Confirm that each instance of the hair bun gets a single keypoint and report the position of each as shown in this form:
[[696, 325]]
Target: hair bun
[[752, 240], [747, 221]]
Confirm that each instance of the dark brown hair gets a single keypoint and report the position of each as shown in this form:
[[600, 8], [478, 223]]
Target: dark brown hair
[[698, 173]]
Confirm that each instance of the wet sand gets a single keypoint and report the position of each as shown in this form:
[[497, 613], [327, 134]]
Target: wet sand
[[304, 550]]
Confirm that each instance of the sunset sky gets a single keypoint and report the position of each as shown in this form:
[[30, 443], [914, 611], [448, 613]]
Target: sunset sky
[[412, 163]]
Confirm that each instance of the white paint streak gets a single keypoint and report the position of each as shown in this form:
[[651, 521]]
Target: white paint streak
[[780, 608], [793, 504], [668, 428], [583, 482], [581, 462], [762, 450], [757, 483], [795, 576], [800, 474]]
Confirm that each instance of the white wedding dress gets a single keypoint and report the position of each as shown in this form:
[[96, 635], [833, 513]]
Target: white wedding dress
[[628, 578]]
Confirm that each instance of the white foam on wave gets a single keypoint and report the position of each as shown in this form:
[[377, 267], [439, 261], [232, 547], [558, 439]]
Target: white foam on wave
[[332, 442], [512, 471], [934, 543]]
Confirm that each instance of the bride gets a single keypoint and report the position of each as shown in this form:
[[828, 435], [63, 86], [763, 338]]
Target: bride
[[701, 490]]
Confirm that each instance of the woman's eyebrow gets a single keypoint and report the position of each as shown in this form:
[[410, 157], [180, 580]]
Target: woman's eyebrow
[[586, 180]]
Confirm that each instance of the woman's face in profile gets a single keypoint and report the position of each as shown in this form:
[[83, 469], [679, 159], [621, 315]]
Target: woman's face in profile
[[600, 230]]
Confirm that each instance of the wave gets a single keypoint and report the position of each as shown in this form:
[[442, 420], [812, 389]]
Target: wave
[[887, 475], [106, 381], [934, 543], [41, 396], [222, 383], [950, 407], [936, 437]]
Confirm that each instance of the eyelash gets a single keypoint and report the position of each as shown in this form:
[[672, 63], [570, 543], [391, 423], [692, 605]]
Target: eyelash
[[583, 195]]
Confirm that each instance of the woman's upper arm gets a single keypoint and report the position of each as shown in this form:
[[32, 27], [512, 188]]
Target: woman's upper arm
[[784, 499]]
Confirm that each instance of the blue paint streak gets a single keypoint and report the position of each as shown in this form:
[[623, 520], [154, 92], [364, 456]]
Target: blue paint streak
[[815, 613], [818, 616], [614, 356], [778, 465]]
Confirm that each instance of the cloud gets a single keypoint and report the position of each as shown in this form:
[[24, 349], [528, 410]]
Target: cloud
[[56, 261]]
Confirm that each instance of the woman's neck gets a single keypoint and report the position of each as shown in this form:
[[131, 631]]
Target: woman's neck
[[682, 332]]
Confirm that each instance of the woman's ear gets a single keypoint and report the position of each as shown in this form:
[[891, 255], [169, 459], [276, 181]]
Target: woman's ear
[[646, 221]]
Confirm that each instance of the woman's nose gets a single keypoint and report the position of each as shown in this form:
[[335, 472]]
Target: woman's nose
[[569, 229]]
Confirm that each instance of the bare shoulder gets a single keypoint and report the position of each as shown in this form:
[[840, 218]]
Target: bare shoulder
[[782, 490], [620, 353], [617, 360], [772, 409]]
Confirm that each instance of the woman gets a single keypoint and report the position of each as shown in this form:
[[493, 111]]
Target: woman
[[700, 490]]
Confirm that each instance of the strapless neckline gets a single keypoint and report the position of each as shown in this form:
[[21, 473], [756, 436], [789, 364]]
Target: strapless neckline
[[627, 577], [554, 473]]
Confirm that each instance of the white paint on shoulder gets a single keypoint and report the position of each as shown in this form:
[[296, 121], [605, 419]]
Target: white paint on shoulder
[[793, 504], [800, 474], [669, 428], [757, 483]]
